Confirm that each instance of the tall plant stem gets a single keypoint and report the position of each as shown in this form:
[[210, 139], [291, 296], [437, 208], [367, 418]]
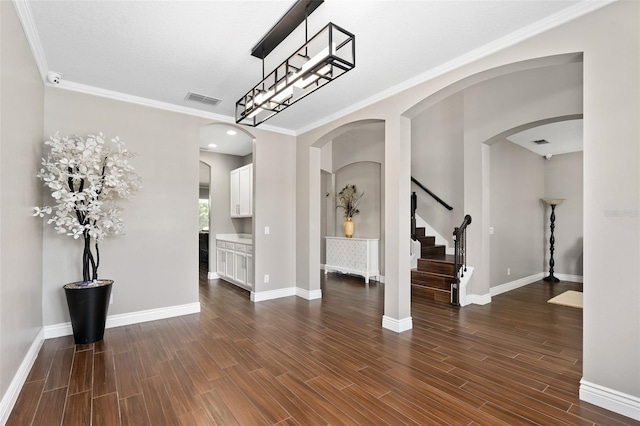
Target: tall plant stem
[[88, 260]]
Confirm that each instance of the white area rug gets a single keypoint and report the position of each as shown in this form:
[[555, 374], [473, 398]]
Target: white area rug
[[568, 298]]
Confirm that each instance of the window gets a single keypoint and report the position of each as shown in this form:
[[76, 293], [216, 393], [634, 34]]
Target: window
[[204, 215]]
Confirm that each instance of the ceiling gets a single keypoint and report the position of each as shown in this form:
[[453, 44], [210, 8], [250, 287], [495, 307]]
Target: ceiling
[[563, 137], [225, 139], [160, 50]]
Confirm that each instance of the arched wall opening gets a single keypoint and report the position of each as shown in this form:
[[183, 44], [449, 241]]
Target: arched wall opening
[[355, 149], [231, 152], [489, 105]]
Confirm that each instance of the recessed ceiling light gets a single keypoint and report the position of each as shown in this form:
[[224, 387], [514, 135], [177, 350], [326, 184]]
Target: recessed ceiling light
[[213, 145], [232, 132]]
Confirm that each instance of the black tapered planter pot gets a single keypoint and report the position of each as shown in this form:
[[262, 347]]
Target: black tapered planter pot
[[88, 306]]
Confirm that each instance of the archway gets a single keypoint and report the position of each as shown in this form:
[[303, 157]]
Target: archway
[[315, 195], [495, 103], [224, 147]]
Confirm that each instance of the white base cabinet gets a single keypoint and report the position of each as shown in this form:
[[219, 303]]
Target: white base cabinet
[[235, 263], [357, 256]]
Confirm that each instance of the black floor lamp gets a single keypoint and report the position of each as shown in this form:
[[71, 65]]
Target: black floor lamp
[[553, 202]]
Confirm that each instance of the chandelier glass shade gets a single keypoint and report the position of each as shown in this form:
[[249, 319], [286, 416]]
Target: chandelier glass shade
[[323, 58]]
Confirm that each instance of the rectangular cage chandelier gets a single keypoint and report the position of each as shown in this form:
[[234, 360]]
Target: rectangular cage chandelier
[[325, 57]]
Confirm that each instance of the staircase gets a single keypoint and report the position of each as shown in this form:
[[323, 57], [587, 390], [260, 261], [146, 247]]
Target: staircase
[[435, 272]]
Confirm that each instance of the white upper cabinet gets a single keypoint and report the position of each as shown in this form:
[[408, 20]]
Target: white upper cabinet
[[242, 191]]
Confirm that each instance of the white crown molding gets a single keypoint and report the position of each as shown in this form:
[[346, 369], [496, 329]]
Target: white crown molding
[[261, 296], [11, 395], [512, 285], [610, 399], [26, 19], [28, 25], [397, 325], [568, 14], [562, 17], [152, 103], [65, 329], [309, 295]]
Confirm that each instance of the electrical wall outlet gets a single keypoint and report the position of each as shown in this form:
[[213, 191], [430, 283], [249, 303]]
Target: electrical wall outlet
[[508, 271], [266, 230], [266, 278], [111, 299], [491, 230]]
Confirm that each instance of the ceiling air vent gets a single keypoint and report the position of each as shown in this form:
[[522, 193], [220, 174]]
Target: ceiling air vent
[[541, 142], [202, 99]]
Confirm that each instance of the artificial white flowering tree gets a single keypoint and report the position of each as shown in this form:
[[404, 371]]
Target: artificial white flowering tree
[[86, 176]]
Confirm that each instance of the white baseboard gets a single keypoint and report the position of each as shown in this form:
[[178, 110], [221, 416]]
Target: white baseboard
[[610, 399], [11, 395], [464, 287], [213, 275], [512, 285], [272, 294], [309, 295], [396, 325], [568, 277], [64, 329], [478, 299]]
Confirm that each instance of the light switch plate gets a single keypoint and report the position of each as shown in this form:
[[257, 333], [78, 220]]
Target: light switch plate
[[266, 230]]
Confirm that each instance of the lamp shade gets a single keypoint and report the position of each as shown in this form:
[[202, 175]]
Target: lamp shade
[[553, 201]]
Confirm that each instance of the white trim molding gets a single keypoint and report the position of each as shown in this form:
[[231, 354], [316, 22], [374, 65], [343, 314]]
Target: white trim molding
[[478, 299], [152, 103], [23, 9], [563, 16], [610, 399], [569, 277], [309, 295], [65, 329], [212, 275], [261, 296], [11, 395], [397, 325], [512, 285]]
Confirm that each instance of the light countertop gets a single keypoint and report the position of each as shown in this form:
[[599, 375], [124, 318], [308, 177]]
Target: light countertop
[[236, 238]]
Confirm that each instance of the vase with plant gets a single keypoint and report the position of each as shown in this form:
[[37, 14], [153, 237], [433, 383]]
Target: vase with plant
[[348, 200], [86, 177]]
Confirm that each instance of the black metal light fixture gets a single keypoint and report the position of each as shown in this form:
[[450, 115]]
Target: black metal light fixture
[[323, 58]]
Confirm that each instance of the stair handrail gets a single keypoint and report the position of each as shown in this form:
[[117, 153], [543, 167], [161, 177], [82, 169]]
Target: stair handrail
[[460, 258], [428, 191], [414, 207]]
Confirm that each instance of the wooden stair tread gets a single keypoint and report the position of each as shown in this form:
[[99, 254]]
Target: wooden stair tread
[[433, 274], [446, 258]]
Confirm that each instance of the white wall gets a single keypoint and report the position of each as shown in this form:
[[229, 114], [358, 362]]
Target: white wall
[[155, 264], [21, 136], [517, 214], [274, 206], [563, 178], [366, 176], [436, 161]]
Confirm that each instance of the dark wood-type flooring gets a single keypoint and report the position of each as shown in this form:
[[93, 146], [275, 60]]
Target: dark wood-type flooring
[[295, 362]]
